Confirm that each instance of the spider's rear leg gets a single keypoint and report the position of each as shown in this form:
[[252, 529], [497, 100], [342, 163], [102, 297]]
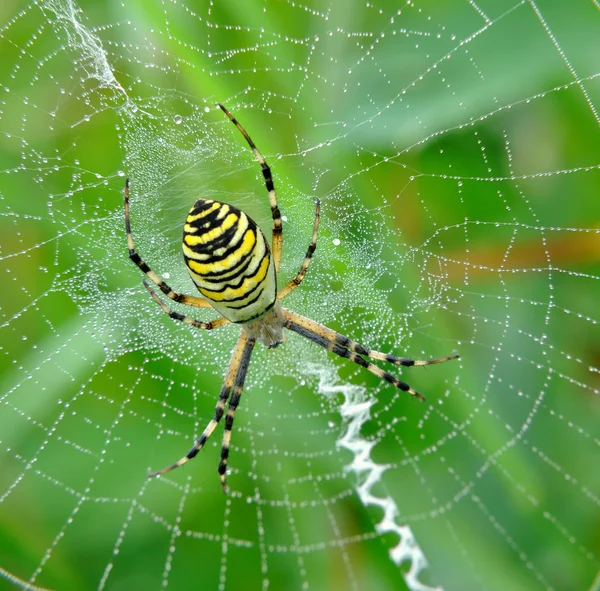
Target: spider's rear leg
[[296, 281], [137, 259], [277, 236], [176, 316]]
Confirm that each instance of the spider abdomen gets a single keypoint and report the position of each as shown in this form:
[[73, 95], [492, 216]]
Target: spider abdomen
[[229, 260]]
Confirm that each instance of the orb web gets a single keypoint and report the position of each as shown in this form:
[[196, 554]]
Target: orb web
[[454, 151]]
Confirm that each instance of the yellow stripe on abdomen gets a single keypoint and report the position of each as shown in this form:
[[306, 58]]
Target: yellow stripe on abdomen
[[212, 234], [249, 284], [245, 248], [229, 260], [195, 217]]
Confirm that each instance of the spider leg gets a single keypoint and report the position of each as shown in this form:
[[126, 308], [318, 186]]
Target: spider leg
[[176, 316], [135, 257], [295, 282], [277, 242], [319, 334], [343, 341], [233, 404], [238, 355]]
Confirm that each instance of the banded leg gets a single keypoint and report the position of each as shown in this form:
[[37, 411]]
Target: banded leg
[[277, 241], [135, 257], [230, 379], [343, 341], [354, 357], [233, 404], [176, 316], [296, 281]]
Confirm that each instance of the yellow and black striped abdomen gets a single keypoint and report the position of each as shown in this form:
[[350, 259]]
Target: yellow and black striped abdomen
[[229, 260]]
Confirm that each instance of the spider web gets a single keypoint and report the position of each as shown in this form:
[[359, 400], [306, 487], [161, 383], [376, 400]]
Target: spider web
[[454, 147]]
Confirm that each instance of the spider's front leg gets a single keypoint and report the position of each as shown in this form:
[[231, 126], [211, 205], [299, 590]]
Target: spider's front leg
[[344, 347], [233, 404], [236, 373]]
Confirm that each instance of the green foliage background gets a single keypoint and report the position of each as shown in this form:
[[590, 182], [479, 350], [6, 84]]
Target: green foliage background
[[86, 410]]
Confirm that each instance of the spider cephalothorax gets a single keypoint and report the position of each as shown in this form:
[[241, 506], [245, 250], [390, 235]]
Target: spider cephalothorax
[[231, 264]]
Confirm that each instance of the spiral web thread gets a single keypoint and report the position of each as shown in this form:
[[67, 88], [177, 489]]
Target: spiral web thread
[[454, 151]]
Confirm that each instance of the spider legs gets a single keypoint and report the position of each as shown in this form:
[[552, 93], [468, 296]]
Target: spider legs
[[295, 282], [277, 230], [233, 404], [234, 378], [344, 347], [135, 257], [176, 316]]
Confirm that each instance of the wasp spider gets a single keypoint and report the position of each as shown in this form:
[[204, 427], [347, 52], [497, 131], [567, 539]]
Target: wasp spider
[[235, 270]]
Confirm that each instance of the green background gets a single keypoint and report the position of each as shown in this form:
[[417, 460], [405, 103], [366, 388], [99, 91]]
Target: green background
[[455, 152]]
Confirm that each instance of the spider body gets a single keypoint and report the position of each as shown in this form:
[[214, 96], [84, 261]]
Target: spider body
[[233, 268], [229, 260]]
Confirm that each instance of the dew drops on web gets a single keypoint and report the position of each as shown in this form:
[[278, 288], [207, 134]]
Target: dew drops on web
[[447, 191]]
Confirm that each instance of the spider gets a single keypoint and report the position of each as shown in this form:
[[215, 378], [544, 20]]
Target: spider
[[233, 268]]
